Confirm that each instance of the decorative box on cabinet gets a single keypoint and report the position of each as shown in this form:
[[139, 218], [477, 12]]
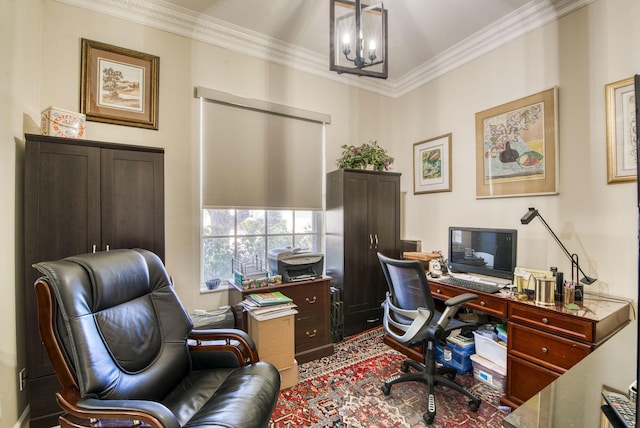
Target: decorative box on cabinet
[[313, 320], [82, 196], [363, 218]]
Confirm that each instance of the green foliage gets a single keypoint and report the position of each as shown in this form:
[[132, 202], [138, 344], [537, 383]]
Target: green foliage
[[367, 154]]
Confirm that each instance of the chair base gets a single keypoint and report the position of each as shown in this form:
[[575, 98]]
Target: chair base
[[441, 376]]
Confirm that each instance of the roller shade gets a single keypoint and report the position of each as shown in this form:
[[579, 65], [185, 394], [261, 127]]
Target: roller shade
[[260, 155]]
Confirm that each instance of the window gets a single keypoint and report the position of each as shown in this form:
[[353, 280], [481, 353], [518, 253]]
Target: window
[[244, 233]]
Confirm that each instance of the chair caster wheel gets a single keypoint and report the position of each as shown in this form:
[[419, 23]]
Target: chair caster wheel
[[386, 390], [474, 406], [404, 367], [451, 375], [428, 419]]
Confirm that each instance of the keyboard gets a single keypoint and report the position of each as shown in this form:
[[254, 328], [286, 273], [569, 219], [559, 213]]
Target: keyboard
[[471, 285]]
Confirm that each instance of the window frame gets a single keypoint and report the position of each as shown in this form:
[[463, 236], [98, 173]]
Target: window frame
[[317, 235]]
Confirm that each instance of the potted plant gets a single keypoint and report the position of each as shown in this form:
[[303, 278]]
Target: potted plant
[[366, 154]]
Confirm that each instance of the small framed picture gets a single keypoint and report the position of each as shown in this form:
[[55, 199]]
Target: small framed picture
[[622, 139], [432, 165], [118, 85]]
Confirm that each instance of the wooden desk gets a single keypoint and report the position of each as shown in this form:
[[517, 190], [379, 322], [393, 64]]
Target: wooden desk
[[313, 321], [543, 341]]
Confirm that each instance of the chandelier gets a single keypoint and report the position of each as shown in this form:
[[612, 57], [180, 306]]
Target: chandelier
[[358, 38]]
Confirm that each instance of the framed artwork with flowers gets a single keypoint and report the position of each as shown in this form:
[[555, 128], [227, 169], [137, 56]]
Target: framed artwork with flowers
[[517, 147]]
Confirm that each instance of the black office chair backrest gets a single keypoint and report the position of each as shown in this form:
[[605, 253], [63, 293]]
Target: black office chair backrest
[[407, 282]]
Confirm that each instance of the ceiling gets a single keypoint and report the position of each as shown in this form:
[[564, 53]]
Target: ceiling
[[426, 38]]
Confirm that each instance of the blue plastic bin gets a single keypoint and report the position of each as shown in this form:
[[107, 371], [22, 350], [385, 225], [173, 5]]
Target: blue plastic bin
[[460, 356]]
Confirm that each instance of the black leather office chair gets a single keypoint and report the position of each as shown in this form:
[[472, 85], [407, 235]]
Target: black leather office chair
[[125, 351], [411, 318]]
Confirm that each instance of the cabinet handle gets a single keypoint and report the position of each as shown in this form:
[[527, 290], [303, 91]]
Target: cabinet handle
[[94, 248], [376, 236], [482, 303], [545, 350], [312, 300], [107, 247], [373, 320], [370, 241], [545, 320], [312, 334]]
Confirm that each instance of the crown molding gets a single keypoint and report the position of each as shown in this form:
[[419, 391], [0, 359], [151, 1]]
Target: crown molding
[[171, 18]]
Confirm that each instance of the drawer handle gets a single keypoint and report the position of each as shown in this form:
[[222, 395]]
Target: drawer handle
[[545, 350], [482, 303], [373, 320], [312, 334], [311, 301], [438, 291], [545, 320]]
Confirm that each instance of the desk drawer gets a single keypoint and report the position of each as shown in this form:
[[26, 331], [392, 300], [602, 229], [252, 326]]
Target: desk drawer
[[552, 322], [310, 298], [548, 350], [525, 379], [485, 302], [311, 332]]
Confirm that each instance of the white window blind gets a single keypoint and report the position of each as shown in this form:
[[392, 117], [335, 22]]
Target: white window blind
[[260, 154]]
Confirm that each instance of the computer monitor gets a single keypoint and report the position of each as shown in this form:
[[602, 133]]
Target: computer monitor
[[483, 251]]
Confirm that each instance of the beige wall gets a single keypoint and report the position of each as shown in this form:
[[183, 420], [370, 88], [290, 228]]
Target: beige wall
[[40, 44], [579, 54]]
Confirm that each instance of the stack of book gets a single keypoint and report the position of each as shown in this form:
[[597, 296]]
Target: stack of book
[[265, 306]]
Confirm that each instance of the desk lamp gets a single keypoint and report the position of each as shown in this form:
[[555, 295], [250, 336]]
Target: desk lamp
[[575, 265]]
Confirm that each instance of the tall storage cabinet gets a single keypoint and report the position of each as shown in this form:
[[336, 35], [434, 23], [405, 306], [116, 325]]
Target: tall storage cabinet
[[82, 196], [363, 218]]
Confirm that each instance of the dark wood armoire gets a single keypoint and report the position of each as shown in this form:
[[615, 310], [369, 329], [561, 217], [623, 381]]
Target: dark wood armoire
[[363, 218], [82, 196]]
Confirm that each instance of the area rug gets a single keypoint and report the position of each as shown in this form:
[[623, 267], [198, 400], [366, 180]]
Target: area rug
[[343, 390]]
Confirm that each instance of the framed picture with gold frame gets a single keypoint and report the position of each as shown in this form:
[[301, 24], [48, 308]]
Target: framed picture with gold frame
[[432, 165], [118, 85], [622, 140], [517, 147]]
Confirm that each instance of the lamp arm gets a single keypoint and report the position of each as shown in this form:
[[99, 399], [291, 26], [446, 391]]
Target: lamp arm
[[572, 257]]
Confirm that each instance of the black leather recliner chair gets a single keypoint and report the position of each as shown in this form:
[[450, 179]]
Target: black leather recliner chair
[[124, 349]]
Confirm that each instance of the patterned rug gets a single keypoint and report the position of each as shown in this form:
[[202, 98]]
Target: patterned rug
[[343, 390]]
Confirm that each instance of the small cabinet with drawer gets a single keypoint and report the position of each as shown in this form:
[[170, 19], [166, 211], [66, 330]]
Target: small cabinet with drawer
[[313, 320]]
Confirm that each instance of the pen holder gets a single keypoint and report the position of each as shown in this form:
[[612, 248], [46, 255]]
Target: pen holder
[[569, 295]]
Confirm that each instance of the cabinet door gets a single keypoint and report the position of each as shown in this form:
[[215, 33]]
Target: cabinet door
[[133, 200], [62, 218], [358, 242], [384, 223]]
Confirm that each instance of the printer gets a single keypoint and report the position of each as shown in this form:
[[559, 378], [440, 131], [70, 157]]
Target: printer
[[295, 264]]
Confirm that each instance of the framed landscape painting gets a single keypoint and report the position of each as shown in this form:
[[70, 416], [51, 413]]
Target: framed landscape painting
[[432, 165], [118, 85], [517, 146]]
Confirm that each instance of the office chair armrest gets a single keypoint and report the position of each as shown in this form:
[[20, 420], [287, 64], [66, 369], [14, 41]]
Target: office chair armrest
[[234, 341], [452, 306], [153, 413], [420, 317], [460, 299]]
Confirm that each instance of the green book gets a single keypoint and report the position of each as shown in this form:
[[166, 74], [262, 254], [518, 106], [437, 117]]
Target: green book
[[270, 298]]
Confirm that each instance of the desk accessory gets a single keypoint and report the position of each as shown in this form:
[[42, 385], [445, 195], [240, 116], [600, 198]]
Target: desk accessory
[[576, 270]]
